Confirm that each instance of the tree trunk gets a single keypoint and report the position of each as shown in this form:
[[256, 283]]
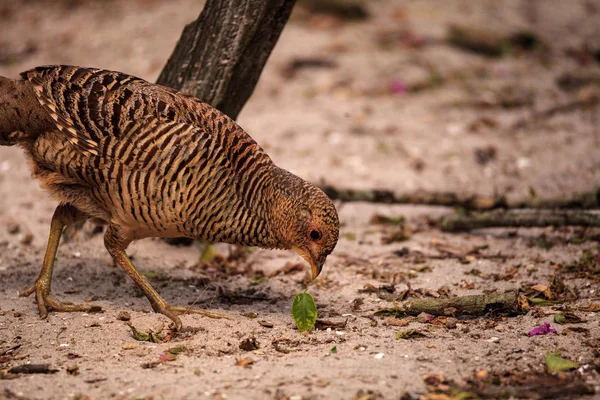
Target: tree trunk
[[220, 56]]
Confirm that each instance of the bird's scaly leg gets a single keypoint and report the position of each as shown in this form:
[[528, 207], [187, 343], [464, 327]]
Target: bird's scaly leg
[[116, 246], [63, 215]]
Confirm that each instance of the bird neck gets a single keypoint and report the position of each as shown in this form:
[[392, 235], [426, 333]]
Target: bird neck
[[284, 192]]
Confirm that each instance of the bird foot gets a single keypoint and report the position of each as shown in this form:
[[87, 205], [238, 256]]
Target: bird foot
[[45, 301], [174, 312]]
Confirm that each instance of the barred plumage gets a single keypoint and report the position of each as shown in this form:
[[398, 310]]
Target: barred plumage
[[150, 161]]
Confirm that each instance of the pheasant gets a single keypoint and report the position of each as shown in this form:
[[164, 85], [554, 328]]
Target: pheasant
[[149, 161]]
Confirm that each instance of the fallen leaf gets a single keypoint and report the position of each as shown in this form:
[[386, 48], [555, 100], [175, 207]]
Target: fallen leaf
[[129, 346], [176, 350], [578, 329], [545, 290], [265, 324], [568, 318], [165, 357], [591, 307], [244, 362], [304, 312], [424, 317], [399, 322], [554, 363], [324, 324], [143, 336]]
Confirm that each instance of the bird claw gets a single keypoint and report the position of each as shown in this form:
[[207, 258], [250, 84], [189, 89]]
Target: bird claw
[[45, 301]]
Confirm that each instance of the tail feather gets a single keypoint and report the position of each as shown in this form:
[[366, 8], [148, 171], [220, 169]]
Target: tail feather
[[22, 117]]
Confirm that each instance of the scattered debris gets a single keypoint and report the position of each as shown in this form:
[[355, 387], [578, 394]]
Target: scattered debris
[[73, 370], [543, 329], [368, 395], [484, 155], [485, 41], [292, 68], [520, 218], [411, 334], [244, 362], [123, 316], [343, 9], [265, 324], [323, 324], [143, 336], [568, 318], [249, 344], [32, 369]]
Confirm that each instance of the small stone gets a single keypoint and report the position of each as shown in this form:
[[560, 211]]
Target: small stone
[[123, 316], [17, 314], [128, 346], [73, 370], [451, 323], [13, 228], [27, 239]]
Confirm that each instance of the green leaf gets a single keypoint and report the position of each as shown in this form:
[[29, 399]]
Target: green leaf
[[143, 336], [555, 363], [139, 336], [304, 311], [559, 318], [176, 350], [334, 350]]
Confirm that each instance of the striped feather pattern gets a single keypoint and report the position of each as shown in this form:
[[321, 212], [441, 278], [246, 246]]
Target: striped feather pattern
[[155, 162]]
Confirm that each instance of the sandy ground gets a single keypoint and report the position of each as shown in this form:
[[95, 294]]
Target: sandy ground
[[341, 125]]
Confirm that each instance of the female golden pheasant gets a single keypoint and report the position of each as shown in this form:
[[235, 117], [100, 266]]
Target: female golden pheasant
[[152, 162]]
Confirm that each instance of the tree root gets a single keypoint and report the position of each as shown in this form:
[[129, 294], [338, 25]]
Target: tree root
[[589, 199], [520, 218], [474, 305]]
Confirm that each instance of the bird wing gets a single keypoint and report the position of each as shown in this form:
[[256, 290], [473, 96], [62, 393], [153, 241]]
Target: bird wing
[[115, 116]]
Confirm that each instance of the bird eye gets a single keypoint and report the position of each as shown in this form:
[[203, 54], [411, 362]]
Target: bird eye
[[315, 235]]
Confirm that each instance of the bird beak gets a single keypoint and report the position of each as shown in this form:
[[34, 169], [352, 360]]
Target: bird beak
[[316, 265], [316, 268]]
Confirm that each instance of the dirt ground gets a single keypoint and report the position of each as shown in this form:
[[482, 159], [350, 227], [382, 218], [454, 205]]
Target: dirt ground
[[397, 107]]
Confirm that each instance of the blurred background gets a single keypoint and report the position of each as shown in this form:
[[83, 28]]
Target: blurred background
[[486, 97]]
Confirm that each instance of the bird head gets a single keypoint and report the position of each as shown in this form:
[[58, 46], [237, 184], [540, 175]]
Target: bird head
[[303, 219], [315, 228]]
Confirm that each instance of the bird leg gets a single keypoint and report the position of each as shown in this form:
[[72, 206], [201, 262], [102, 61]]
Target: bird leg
[[63, 216], [116, 248]]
